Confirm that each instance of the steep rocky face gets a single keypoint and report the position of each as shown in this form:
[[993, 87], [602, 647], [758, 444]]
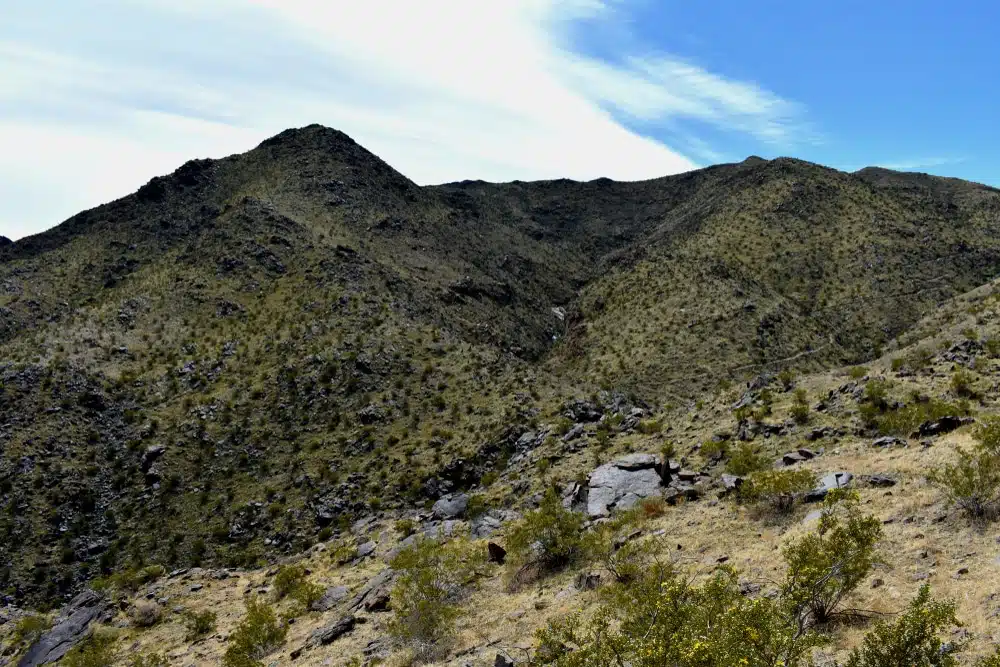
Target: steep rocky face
[[251, 351]]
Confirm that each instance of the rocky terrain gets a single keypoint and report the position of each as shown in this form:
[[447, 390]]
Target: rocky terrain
[[296, 356]]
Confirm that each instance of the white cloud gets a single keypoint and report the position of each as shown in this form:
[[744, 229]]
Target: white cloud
[[920, 163], [96, 100]]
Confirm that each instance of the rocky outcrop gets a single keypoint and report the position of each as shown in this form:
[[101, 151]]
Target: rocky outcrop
[[829, 482], [70, 628], [622, 483], [941, 426], [451, 506]]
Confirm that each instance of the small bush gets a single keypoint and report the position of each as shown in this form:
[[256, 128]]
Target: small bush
[[787, 378], [344, 550], [913, 640], [800, 407], [433, 579], [857, 372], [830, 563], [405, 527], [98, 650], [145, 614], [746, 459], [973, 482], [665, 620], [613, 545], [29, 628], [905, 420], [292, 581], [545, 539], [992, 347], [199, 624], [920, 358], [147, 660], [258, 635], [711, 449], [777, 488], [961, 383], [650, 426]]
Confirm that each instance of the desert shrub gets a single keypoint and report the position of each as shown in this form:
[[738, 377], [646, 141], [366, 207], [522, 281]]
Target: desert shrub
[[961, 383], [405, 527], [711, 449], [973, 482], [199, 623], [665, 620], [876, 394], [800, 408], [905, 420], [990, 660], [992, 347], [777, 488], [787, 378], [29, 628], [650, 426], [898, 363], [293, 581], [828, 564], [98, 650], [147, 660], [545, 539], [746, 459], [145, 614], [433, 579], [857, 372], [344, 550], [258, 634], [611, 545], [130, 580], [920, 358], [913, 640], [651, 508]]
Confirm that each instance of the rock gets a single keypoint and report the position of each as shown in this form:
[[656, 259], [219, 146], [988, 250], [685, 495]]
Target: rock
[[814, 515], [330, 598], [879, 481], [829, 482], [496, 553], [821, 432], [888, 441], [588, 581], [791, 458], [451, 506], [731, 483], [365, 550], [379, 601], [69, 629], [334, 631], [485, 525], [941, 426], [370, 414], [380, 583], [622, 483], [575, 432], [150, 456], [502, 661]]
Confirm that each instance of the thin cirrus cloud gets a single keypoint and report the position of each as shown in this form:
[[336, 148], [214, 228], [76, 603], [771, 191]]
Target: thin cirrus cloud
[[96, 100]]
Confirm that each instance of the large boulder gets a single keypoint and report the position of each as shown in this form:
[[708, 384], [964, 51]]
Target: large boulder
[[623, 483], [451, 506], [829, 482], [70, 628]]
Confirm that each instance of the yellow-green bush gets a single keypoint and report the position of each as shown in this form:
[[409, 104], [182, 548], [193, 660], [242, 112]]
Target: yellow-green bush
[[777, 489], [611, 545], [259, 634], [199, 623], [98, 650], [293, 581], [433, 579], [973, 482], [546, 538]]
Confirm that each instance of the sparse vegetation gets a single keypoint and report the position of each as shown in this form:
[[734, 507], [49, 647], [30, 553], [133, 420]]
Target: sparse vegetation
[[973, 481], [199, 624], [544, 539], [258, 635], [777, 489], [98, 650]]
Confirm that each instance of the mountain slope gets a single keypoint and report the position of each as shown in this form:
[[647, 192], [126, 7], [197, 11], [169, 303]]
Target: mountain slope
[[253, 350]]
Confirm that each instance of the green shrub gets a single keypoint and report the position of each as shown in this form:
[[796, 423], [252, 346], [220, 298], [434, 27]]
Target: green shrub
[[857, 372], [147, 660], [830, 563], [746, 459], [344, 550], [777, 488], [913, 640], [992, 347], [800, 407], [920, 358], [711, 449], [665, 620], [973, 482], [905, 420], [145, 614], [29, 628], [787, 378], [433, 579], [98, 650], [258, 635], [613, 545], [545, 539], [961, 383], [405, 527], [650, 426], [199, 624], [990, 660], [876, 394]]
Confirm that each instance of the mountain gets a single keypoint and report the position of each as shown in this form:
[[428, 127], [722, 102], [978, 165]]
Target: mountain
[[248, 354]]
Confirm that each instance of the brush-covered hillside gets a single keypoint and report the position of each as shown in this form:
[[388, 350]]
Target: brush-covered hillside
[[248, 356]]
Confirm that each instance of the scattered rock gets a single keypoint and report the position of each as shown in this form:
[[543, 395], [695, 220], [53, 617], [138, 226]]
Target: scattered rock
[[496, 553], [330, 598], [941, 426], [888, 441], [69, 629], [731, 483], [588, 581], [879, 481], [380, 583], [334, 631], [622, 483], [502, 661], [365, 550], [829, 482], [451, 506]]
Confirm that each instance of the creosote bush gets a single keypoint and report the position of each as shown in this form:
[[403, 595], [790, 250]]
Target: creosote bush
[[545, 539], [199, 624], [746, 459], [614, 546], [777, 489], [913, 640], [293, 581], [826, 565], [973, 482], [259, 634], [145, 614], [433, 579], [98, 650]]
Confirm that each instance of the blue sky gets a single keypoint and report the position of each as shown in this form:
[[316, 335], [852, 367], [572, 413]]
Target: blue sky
[[98, 96]]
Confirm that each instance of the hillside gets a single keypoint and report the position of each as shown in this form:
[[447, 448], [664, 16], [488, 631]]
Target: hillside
[[246, 356]]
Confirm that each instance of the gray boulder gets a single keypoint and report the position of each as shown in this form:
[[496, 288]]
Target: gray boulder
[[451, 506], [829, 482], [70, 628], [622, 483], [333, 596]]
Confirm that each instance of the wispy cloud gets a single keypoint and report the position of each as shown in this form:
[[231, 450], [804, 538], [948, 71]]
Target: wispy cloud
[[920, 163], [95, 100]]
